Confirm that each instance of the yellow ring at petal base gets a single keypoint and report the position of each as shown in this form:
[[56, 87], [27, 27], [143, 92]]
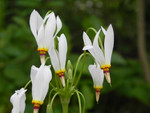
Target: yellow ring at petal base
[[37, 103], [42, 50], [60, 72], [105, 66], [98, 88]]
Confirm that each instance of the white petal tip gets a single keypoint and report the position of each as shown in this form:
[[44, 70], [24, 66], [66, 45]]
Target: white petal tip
[[87, 47]]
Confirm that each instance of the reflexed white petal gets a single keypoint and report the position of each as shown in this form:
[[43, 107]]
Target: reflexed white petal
[[54, 58], [109, 44], [59, 25], [33, 74], [62, 50], [18, 101], [41, 38], [47, 16], [87, 42], [97, 50], [104, 31], [97, 75], [41, 83], [50, 28], [35, 23], [87, 47], [45, 85]]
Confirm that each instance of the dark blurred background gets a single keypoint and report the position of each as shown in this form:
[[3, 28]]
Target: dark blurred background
[[130, 91]]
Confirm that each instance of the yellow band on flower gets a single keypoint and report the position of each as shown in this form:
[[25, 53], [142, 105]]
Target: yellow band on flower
[[60, 72], [98, 88], [37, 103], [105, 68], [42, 50]]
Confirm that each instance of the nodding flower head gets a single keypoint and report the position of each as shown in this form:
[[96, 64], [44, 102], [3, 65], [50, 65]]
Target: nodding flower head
[[44, 29], [58, 57], [40, 78], [98, 78], [18, 101]]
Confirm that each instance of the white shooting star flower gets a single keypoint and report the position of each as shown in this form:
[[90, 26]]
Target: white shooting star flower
[[102, 58], [40, 78], [98, 78], [18, 101], [43, 30], [58, 57]]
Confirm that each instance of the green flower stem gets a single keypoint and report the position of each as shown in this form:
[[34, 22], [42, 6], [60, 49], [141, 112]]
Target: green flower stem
[[27, 84], [100, 41], [83, 99], [49, 106], [52, 85], [76, 67], [82, 55], [65, 100], [84, 59], [79, 100]]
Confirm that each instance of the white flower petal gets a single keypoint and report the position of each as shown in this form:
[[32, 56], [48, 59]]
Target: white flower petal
[[35, 23], [104, 31], [54, 58], [47, 78], [109, 44], [97, 50], [87, 47], [41, 42], [97, 75], [18, 101], [87, 42], [50, 28], [62, 50], [59, 25], [41, 83]]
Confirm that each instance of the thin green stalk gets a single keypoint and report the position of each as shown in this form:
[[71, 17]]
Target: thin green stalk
[[49, 106], [91, 57], [84, 59], [79, 100], [83, 100], [56, 81], [27, 84], [52, 85], [49, 97], [77, 67]]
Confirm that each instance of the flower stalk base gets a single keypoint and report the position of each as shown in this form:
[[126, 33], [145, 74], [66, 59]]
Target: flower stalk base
[[65, 102]]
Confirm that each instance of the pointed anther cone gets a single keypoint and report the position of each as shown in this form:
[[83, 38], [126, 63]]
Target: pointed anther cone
[[62, 78], [36, 111], [107, 76], [42, 58], [97, 96]]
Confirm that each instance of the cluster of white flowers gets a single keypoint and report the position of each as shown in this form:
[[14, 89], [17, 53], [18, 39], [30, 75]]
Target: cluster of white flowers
[[102, 58], [45, 31]]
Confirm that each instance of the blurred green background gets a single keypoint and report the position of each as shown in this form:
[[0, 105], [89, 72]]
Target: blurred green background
[[130, 91]]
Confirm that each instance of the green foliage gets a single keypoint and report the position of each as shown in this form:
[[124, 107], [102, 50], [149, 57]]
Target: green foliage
[[18, 51]]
